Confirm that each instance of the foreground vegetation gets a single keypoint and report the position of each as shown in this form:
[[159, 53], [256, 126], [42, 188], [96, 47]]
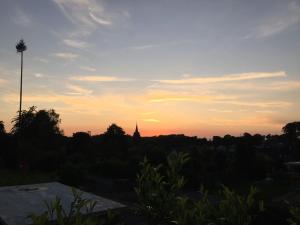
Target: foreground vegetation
[[162, 202]]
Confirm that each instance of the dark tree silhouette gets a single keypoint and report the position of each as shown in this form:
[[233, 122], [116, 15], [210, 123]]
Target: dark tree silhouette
[[2, 128], [292, 130], [38, 136], [21, 47], [114, 131], [292, 134], [40, 123]]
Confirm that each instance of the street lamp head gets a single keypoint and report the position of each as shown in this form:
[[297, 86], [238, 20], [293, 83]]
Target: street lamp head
[[20, 46]]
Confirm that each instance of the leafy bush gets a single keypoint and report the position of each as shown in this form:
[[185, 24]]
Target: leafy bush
[[157, 193], [295, 216], [56, 212], [235, 209], [161, 203]]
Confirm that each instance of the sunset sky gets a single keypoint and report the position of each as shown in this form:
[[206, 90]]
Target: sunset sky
[[173, 66]]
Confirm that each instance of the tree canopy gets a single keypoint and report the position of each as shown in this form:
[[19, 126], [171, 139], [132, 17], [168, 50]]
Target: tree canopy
[[2, 128], [114, 131], [292, 130], [37, 123]]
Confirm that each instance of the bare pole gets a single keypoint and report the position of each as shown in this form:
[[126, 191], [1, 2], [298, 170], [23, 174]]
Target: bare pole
[[21, 85], [21, 47]]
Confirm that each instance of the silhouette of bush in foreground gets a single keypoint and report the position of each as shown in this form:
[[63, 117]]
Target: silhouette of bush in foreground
[[161, 203], [74, 216], [295, 216]]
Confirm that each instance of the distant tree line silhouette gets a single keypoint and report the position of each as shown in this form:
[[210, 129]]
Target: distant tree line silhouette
[[36, 142]]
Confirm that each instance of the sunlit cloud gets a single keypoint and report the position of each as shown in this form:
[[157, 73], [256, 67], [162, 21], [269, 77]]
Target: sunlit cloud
[[2, 82], [220, 110], [88, 68], [282, 86], [270, 86], [261, 104], [221, 99], [66, 55], [76, 44], [147, 113], [77, 103], [181, 99], [151, 120], [225, 78], [99, 78], [78, 90]]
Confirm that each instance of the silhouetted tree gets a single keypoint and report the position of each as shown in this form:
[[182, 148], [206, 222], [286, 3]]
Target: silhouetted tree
[[21, 47], [292, 134], [292, 130], [114, 131], [38, 136], [33, 123], [115, 142], [2, 128]]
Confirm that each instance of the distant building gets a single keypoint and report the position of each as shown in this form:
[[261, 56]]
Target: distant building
[[136, 134]]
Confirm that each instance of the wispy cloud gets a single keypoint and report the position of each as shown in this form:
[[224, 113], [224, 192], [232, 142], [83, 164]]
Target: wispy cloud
[[151, 120], [99, 78], [143, 47], [217, 99], [2, 82], [21, 18], [88, 68], [99, 20], [287, 17], [76, 44], [89, 13], [283, 86], [225, 78], [66, 55], [39, 75], [78, 90], [181, 99], [38, 59], [149, 46], [261, 104]]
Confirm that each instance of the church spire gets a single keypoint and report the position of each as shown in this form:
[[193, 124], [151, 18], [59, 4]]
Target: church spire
[[136, 134]]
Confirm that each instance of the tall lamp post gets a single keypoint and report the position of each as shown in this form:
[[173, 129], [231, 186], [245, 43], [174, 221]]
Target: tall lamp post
[[21, 47]]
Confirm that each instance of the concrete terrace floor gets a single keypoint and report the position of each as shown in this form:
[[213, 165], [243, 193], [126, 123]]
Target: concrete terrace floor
[[17, 202]]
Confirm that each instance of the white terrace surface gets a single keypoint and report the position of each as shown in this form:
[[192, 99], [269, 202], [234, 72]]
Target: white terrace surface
[[17, 202]]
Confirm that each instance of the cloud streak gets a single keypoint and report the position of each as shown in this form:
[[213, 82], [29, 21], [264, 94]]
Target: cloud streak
[[225, 78], [2, 82], [21, 18], [66, 55], [87, 13], [78, 90], [99, 78], [280, 22], [151, 120], [88, 68], [76, 44]]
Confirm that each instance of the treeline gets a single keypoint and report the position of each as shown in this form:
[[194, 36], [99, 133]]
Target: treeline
[[36, 142]]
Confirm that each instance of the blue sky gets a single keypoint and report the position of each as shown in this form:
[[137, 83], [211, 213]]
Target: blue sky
[[196, 67]]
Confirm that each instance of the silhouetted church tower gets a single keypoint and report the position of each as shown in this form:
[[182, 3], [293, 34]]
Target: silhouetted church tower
[[136, 134]]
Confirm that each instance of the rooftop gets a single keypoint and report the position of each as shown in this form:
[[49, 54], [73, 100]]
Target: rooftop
[[17, 202]]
